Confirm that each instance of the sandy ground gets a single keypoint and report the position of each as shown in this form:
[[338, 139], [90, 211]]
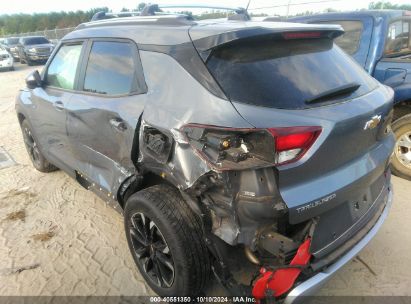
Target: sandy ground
[[56, 238]]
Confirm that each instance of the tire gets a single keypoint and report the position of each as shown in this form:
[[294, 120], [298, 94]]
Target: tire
[[29, 62], [37, 159], [401, 158], [178, 241], [11, 68]]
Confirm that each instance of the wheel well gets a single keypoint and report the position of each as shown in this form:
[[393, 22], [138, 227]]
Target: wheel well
[[401, 109], [138, 182]]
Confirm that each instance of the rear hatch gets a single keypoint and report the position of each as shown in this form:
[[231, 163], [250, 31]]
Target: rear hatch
[[300, 78]]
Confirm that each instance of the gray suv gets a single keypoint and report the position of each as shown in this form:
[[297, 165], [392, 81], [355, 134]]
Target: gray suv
[[224, 144]]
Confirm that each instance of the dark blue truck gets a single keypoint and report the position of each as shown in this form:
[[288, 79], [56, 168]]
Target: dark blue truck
[[380, 41]]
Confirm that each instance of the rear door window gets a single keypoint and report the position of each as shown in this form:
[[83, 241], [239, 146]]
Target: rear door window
[[112, 70], [350, 40], [285, 73], [398, 39], [61, 72]]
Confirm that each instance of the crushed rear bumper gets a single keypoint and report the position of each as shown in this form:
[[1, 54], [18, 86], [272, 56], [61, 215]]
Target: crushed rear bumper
[[310, 286]]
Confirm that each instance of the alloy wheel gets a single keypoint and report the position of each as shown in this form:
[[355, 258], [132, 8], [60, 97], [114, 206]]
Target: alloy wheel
[[403, 149], [152, 251], [31, 146]]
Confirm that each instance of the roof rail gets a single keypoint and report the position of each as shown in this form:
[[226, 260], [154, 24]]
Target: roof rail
[[104, 15], [153, 9]]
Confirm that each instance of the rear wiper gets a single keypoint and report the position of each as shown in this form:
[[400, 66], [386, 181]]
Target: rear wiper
[[343, 90]]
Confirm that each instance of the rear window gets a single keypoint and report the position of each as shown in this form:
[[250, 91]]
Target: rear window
[[398, 39], [350, 40], [285, 73]]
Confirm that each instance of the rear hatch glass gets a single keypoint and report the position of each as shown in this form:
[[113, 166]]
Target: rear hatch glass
[[287, 74]]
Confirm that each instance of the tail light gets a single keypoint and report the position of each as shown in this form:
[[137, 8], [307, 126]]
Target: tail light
[[236, 149], [292, 143]]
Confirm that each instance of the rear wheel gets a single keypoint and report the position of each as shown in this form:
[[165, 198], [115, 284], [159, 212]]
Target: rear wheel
[[38, 160], [166, 242], [401, 160]]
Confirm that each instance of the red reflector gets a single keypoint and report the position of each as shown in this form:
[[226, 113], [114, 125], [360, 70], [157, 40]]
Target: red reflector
[[293, 141], [302, 35]]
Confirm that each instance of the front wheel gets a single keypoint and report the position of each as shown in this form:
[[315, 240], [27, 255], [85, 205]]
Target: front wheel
[[38, 160], [166, 241], [401, 160]]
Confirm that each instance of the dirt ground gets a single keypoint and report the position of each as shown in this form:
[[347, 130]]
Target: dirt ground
[[56, 238]]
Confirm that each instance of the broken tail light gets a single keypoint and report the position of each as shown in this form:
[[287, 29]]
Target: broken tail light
[[236, 149]]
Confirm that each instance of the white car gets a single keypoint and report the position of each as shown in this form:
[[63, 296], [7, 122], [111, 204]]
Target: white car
[[6, 60]]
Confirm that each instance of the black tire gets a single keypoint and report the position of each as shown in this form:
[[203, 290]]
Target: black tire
[[399, 164], [38, 160], [11, 68], [29, 62], [180, 229]]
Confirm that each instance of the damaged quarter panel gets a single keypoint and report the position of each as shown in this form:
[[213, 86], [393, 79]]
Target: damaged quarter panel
[[180, 100]]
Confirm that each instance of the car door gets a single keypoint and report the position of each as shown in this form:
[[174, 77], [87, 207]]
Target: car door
[[49, 101], [102, 118]]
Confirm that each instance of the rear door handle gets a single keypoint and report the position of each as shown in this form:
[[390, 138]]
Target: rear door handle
[[59, 106], [118, 124]]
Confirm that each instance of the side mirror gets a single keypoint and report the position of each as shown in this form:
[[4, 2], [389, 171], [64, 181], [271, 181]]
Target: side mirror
[[33, 80]]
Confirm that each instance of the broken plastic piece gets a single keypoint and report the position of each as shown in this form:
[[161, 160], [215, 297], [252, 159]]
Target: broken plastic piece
[[280, 281]]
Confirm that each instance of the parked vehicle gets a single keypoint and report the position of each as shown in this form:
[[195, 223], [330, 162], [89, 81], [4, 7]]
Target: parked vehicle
[[34, 49], [380, 41], [6, 60], [210, 141], [11, 46]]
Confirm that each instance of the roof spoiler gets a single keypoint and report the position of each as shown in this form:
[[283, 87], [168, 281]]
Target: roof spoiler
[[204, 45]]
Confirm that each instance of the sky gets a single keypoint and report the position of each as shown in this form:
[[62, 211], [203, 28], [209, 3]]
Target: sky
[[297, 6]]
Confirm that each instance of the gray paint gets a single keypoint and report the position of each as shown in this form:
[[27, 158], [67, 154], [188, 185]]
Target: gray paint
[[344, 163]]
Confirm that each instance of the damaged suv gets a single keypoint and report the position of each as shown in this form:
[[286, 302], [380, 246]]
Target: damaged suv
[[224, 144]]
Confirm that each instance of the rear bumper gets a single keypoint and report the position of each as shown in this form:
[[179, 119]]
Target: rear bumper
[[311, 285]]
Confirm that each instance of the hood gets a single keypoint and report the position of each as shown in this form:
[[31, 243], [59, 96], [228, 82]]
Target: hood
[[4, 52], [44, 45]]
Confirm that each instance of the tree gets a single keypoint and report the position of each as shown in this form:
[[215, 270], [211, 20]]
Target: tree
[[24, 23], [141, 6], [388, 5]]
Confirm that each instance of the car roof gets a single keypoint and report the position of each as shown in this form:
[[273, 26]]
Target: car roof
[[177, 29]]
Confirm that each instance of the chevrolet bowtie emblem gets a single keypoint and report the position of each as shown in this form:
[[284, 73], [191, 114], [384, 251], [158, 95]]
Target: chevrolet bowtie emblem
[[373, 122]]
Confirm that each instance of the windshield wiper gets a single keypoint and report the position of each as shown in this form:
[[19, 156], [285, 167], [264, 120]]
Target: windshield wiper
[[343, 90]]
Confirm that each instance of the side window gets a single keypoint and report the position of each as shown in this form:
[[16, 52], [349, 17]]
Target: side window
[[61, 72], [111, 69], [350, 40], [398, 39]]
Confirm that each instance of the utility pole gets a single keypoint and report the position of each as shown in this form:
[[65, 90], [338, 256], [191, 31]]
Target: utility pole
[[288, 8]]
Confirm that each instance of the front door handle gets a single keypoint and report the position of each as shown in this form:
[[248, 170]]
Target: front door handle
[[59, 106], [118, 124]]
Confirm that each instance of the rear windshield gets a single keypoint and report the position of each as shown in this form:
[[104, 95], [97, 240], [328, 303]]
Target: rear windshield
[[35, 40], [398, 39], [350, 40], [286, 74]]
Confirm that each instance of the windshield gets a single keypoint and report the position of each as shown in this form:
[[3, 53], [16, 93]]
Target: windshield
[[398, 39], [10, 41], [286, 73], [35, 40]]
